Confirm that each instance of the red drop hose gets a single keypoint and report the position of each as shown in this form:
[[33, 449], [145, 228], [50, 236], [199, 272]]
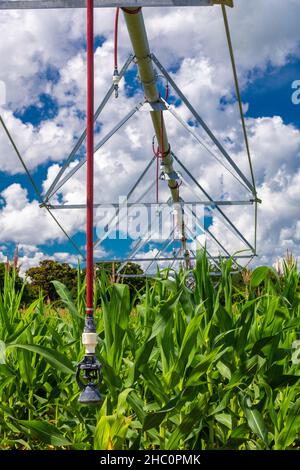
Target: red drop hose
[[157, 178], [90, 159], [116, 38], [160, 150], [167, 92]]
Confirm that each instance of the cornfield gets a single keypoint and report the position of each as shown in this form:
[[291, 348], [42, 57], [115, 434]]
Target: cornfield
[[210, 368]]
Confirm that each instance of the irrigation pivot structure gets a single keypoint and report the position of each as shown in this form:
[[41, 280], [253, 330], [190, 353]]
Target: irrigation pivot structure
[[89, 370]]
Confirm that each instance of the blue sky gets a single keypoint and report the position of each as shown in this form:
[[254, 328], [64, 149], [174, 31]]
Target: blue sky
[[271, 93], [54, 106]]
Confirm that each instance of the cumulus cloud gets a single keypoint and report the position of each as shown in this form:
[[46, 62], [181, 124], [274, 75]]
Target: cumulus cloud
[[22, 221], [30, 256]]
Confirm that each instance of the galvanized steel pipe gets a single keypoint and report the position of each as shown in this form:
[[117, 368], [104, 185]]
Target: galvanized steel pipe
[[138, 36]]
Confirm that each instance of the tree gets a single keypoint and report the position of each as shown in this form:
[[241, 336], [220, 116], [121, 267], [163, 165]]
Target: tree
[[41, 278]]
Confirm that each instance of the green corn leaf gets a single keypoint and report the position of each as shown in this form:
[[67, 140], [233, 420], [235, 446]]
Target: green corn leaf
[[18, 332], [259, 275], [240, 432], [46, 432], [2, 352], [187, 351], [102, 434], [142, 355], [261, 343], [56, 359], [154, 384], [192, 420], [155, 419], [203, 366], [164, 316], [111, 379], [225, 419], [122, 401], [224, 370], [256, 424], [218, 407], [291, 428], [137, 405], [116, 314], [66, 297]]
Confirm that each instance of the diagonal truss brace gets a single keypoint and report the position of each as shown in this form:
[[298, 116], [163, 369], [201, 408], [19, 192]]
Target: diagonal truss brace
[[100, 240], [203, 124], [52, 189], [103, 141], [188, 128], [211, 199]]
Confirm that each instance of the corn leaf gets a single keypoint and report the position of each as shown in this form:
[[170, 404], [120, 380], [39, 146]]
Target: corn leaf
[[46, 432], [56, 359]]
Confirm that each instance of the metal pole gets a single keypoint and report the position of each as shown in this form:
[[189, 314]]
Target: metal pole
[[89, 374], [90, 158], [139, 40]]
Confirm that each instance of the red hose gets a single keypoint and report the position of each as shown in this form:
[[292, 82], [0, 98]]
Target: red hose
[[157, 178], [90, 159], [116, 38], [167, 92], [160, 152], [161, 135]]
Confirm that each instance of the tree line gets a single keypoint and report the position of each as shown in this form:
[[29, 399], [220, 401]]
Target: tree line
[[39, 279]]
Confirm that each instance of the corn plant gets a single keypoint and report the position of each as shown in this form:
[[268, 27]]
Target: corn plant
[[208, 368]]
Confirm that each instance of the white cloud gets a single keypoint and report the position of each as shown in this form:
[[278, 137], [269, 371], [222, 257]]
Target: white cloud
[[22, 221], [30, 256]]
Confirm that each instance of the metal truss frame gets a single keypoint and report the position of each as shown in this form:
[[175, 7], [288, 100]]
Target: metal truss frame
[[58, 4], [61, 178]]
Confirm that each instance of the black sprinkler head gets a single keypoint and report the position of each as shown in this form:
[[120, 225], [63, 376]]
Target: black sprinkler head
[[89, 377], [90, 395]]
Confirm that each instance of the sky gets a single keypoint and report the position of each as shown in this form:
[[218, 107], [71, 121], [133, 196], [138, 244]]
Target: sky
[[43, 67]]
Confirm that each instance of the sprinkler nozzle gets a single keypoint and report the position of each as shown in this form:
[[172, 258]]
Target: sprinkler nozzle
[[89, 372], [89, 377], [116, 79]]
